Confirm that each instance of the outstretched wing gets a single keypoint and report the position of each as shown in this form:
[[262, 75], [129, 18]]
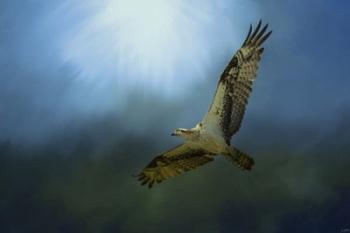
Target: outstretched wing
[[235, 84], [172, 163]]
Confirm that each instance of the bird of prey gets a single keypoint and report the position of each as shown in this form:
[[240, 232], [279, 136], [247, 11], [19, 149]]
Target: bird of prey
[[212, 135]]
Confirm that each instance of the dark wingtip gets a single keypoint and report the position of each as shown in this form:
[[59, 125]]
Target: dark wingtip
[[259, 23], [262, 40], [150, 184], [258, 36], [251, 38], [261, 50], [248, 35], [144, 182], [261, 33]]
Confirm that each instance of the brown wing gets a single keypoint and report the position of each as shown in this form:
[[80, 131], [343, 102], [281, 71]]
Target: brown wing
[[231, 97], [172, 163]]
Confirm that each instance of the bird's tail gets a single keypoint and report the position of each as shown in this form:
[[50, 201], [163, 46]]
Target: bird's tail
[[241, 159]]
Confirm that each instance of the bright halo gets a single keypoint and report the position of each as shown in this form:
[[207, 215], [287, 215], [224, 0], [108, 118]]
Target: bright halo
[[153, 43]]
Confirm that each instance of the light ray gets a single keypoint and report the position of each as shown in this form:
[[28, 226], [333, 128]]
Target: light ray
[[153, 44]]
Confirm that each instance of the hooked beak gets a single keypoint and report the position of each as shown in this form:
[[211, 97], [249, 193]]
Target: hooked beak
[[174, 133]]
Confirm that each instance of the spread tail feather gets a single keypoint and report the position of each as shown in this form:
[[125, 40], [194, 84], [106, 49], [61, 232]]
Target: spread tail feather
[[241, 159]]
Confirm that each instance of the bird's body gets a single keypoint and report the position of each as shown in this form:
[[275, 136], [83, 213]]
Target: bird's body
[[212, 135], [207, 138]]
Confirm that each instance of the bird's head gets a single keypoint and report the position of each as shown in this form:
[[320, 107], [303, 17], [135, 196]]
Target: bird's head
[[180, 132]]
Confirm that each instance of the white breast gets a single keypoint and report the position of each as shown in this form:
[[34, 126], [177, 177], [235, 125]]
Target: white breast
[[212, 140]]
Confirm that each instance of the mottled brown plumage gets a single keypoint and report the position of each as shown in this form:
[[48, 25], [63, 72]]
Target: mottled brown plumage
[[172, 163], [235, 84], [213, 134]]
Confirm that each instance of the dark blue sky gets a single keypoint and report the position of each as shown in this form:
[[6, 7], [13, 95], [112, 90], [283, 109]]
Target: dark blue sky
[[91, 90], [62, 61]]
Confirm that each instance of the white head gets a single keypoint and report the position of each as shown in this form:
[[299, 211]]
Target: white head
[[185, 133]]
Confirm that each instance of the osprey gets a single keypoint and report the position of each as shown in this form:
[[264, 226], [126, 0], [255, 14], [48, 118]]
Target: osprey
[[212, 135]]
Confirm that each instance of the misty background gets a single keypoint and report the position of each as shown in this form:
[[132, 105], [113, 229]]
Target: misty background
[[91, 90]]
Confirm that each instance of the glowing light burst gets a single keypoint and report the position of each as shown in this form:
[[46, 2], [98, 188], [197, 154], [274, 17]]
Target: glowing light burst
[[154, 43]]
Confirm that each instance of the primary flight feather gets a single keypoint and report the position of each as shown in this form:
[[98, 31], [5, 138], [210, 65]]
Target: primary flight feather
[[212, 135]]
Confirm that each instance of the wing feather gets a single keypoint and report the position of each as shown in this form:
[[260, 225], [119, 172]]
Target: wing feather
[[235, 85], [172, 163]]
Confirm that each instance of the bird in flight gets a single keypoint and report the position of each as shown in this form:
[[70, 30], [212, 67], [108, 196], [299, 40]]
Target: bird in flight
[[212, 135]]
